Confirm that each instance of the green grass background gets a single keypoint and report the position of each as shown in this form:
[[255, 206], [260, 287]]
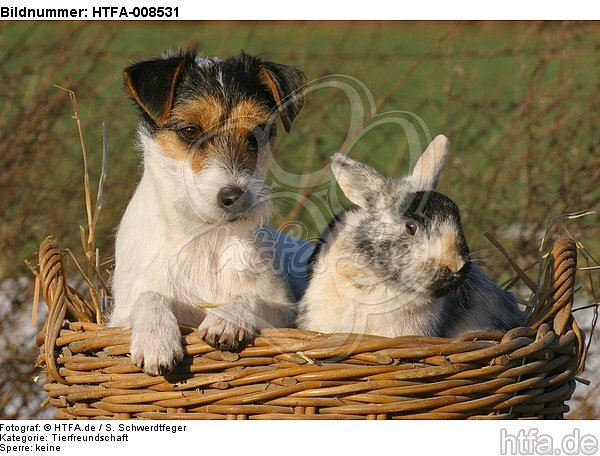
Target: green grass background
[[519, 102]]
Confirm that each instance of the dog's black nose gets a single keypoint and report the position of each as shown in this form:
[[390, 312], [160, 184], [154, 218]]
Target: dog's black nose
[[229, 195]]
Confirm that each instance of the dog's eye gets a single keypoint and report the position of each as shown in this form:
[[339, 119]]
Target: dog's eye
[[259, 135], [410, 228], [189, 133]]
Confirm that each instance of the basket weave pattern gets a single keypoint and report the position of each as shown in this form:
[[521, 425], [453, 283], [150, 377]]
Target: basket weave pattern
[[296, 374]]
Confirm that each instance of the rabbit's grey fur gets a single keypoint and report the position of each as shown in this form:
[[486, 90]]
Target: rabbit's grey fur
[[369, 274]]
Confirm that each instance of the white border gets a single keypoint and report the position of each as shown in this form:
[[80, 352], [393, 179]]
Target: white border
[[350, 9]]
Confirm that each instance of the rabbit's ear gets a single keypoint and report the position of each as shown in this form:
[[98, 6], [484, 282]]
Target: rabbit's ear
[[360, 184], [429, 166]]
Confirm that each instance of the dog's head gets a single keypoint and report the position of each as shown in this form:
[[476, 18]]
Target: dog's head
[[206, 124]]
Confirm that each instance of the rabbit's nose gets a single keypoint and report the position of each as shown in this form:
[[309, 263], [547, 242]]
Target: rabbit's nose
[[456, 265], [464, 269]]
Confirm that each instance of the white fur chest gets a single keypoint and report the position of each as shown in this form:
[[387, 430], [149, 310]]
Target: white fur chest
[[215, 267], [158, 251]]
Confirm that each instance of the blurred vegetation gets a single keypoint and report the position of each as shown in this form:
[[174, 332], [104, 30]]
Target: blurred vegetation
[[520, 103]]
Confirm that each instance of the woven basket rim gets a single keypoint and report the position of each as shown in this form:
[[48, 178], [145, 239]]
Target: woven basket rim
[[551, 331]]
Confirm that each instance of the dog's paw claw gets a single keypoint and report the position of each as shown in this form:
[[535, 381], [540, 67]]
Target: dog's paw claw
[[225, 333], [154, 355], [222, 342]]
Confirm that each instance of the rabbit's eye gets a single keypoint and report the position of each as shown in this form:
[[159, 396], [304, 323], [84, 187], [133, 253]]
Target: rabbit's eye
[[411, 228]]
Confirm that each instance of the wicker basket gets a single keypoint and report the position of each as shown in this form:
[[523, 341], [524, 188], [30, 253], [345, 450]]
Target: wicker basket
[[295, 374]]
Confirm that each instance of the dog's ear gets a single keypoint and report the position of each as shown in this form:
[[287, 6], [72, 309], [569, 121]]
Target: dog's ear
[[152, 83], [287, 85]]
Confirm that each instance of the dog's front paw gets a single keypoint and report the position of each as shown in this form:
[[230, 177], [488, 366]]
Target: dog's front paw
[[228, 327], [157, 350]]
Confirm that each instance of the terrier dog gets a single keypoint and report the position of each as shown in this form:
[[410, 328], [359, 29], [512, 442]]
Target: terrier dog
[[196, 227]]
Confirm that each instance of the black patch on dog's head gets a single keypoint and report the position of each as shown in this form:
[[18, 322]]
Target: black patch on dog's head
[[152, 84], [159, 84], [287, 86]]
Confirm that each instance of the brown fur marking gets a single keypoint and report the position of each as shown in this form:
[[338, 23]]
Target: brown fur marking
[[451, 255], [207, 113], [266, 76], [171, 144], [249, 112]]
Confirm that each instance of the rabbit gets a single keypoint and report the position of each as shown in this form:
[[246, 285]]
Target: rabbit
[[397, 263]]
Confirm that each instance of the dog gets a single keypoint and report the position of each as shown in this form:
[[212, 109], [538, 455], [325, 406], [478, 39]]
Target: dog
[[196, 229]]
